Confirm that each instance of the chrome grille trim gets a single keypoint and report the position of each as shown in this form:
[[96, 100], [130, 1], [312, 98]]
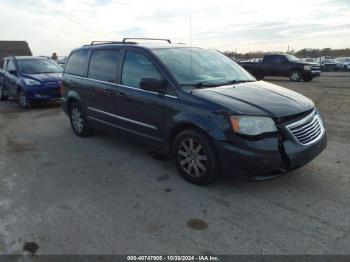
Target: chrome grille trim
[[307, 130]]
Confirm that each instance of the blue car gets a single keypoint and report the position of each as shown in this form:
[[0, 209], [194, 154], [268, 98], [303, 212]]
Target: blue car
[[31, 79]]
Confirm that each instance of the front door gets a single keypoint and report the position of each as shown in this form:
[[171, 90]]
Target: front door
[[139, 110]]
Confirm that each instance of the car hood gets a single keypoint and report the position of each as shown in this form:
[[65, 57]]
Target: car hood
[[45, 77], [257, 98]]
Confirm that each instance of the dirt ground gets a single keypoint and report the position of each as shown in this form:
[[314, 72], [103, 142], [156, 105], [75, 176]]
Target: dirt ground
[[61, 194]]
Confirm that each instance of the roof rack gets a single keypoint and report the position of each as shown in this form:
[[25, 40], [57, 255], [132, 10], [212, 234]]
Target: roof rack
[[141, 38], [105, 42]]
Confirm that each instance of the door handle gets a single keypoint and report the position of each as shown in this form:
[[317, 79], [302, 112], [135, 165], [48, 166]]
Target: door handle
[[108, 92], [121, 94]]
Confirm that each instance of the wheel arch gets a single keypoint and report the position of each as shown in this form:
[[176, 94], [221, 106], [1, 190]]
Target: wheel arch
[[197, 122], [71, 97]]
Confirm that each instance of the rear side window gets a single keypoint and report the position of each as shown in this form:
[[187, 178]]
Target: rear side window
[[137, 66], [77, 63], [269, 59], [104, 65]]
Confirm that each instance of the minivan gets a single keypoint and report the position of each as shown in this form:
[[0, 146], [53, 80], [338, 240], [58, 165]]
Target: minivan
[[194, 104]]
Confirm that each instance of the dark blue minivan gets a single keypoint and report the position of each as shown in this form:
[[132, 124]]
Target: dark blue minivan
[[192, 103], [31, 79]]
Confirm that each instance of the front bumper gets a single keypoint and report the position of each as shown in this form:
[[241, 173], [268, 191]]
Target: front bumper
[[312, 73], [43, 94], [266, 158]]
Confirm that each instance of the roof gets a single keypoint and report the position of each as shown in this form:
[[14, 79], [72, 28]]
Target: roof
[[29, 57], [140, 45], [14, 48]]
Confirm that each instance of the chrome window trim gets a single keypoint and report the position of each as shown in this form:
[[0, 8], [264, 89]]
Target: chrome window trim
[[115, 84], [123, 118]]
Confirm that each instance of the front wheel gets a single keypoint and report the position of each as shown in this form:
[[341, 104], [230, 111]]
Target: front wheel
[[307, 78], [2, 96], [78, 120], [22, 99], [295, 76], [195, 157]]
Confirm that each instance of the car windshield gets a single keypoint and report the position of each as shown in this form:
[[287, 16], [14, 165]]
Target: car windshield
[[292, 58], [38, 66], [201, 67]]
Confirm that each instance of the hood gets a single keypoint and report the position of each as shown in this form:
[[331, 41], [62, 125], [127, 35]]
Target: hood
[[46, 77], [257, 98]]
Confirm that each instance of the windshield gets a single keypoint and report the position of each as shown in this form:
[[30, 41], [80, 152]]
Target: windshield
[[292, 58], [197, 66], [38, 66]]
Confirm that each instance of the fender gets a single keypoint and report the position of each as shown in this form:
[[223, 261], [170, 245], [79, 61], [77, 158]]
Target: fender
[[203, 122], [70, 95]]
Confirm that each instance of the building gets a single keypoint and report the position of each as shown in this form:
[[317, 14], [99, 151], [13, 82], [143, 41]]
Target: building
[[14, 48]]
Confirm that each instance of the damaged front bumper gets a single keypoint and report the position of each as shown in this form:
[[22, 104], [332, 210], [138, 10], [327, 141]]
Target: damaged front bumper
[[266, 158]]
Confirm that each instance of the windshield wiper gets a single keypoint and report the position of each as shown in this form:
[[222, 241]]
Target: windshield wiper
[[199, 84], [237, 81]]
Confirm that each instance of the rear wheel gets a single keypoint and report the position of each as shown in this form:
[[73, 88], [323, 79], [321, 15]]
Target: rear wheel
[[195, 157], [2, 96], [295, 76], [22, 99], [78, 120]]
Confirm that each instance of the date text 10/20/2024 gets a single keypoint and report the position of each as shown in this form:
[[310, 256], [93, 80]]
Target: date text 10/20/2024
[[173, 258]]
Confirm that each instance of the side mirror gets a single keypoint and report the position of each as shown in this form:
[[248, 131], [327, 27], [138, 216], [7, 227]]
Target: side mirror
[[153, 84], [13, 72]]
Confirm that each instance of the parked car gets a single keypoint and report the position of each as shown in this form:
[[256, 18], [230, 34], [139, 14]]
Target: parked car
[[195, 104], [31, 79], [328, 64], [283, 65], [343, 63], [310, 60]]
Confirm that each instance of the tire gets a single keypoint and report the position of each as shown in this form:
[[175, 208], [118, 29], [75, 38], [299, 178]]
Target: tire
[[78, 120], [295, 76], [195, 157], [22, 99], [307, 78], [2, 96]]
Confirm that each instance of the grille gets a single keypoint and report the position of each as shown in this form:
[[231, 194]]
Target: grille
[[52, 92], [315, 68], [307, 130]]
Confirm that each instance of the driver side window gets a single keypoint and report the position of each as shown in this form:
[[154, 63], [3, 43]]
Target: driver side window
[[135, 67]]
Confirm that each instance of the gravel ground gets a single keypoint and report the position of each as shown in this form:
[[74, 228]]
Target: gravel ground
[[60, 194]]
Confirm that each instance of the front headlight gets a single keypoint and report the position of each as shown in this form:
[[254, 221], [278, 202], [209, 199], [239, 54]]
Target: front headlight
[[31, 82], [307, 67], [253, 125]]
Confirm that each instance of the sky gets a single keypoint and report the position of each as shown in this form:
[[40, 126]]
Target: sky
[[227, 25]]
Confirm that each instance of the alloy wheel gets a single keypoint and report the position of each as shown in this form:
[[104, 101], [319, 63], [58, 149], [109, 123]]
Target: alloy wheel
[[77, 119], [192, 157]]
